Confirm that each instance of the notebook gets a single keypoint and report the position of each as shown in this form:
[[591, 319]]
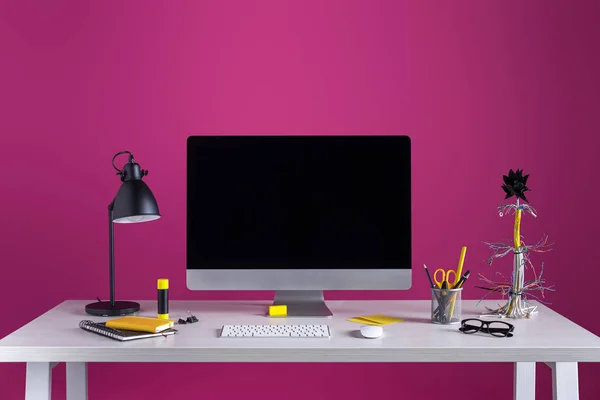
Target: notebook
[[120, 334], [140, 324]]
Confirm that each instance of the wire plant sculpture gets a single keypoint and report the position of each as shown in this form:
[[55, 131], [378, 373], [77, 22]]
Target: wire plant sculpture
[[517, 291]]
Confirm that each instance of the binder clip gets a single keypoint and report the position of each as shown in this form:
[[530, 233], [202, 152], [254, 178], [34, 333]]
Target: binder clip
[[189, 320]]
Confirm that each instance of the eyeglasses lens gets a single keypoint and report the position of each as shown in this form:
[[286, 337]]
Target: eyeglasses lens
[[499, 329], [471, 326]]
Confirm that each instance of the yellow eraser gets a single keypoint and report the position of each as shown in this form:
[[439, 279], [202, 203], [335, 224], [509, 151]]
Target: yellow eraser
[[277, 311]]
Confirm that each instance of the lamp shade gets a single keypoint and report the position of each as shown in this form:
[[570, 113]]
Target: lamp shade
[[134, 202]]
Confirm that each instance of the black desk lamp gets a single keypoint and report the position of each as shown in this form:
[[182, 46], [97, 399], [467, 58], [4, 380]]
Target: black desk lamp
[[133, 203]]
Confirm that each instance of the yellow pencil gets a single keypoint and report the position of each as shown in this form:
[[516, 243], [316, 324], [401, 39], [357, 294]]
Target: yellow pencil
[[461, 262]]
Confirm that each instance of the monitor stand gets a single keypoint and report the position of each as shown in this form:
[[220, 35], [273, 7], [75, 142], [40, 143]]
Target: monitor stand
[[303, 303]]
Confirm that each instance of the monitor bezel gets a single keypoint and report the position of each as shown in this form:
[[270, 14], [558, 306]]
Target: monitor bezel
[[299, 279]]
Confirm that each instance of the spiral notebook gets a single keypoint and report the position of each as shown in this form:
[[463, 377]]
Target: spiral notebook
[[119, 334]]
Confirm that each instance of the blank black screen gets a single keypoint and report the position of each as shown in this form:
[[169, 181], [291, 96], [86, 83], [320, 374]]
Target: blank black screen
[[298, 202]]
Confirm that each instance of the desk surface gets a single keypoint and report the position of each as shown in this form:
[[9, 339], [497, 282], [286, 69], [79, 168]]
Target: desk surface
[[56, 337]]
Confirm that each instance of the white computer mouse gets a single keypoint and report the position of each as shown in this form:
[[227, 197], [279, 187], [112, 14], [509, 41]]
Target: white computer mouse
[[371, 331]]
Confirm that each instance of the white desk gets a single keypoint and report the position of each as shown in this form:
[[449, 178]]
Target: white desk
[[56, 337]]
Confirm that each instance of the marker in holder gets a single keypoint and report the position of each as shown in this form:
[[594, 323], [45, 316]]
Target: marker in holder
[[163, 298]]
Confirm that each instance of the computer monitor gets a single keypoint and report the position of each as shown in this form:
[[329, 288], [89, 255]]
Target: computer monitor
[[298, 215]]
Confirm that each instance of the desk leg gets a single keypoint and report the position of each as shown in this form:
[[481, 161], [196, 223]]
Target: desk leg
[[524, 381], [77, 381], [38, 381], [565, 380]]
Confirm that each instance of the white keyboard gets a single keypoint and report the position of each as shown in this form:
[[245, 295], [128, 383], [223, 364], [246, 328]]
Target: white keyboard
[[275, 331]]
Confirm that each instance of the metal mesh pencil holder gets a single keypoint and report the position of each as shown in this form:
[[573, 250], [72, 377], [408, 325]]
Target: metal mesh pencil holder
[[446, 305]]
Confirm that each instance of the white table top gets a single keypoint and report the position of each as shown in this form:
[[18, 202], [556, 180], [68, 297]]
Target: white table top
[[56, 337]]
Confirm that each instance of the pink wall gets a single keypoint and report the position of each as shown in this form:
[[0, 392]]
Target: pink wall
[[480, 86]]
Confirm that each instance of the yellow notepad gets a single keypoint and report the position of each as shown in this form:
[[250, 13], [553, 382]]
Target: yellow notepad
[[375, 319], [140, 324]]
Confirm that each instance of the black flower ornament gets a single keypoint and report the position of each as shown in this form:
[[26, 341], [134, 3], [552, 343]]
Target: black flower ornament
[[515, 184]]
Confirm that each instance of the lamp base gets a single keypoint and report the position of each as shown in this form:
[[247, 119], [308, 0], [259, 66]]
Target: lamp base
[[104, 309]]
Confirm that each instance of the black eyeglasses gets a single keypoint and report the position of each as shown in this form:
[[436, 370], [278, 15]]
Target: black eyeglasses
[[494, 328]]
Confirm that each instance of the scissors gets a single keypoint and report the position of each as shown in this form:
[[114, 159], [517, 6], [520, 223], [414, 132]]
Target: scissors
[[445, 277]]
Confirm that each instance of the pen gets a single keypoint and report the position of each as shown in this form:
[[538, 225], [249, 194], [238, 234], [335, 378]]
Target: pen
[[458, 285], [444, 300], [428, 276], [462, 280], [437, 296]]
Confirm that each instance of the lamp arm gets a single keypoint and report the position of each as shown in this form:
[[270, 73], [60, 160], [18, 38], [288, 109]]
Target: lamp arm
[[111, 253]]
